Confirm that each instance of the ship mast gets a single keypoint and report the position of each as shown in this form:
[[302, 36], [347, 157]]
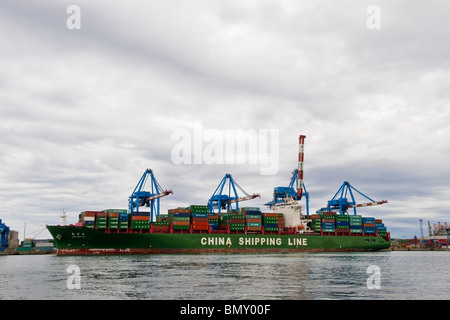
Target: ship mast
[[63, 216], [301, 143]]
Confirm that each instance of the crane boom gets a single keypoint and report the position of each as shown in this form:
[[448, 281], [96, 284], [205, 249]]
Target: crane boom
[[159, 195], [367, 204], [253, 196]]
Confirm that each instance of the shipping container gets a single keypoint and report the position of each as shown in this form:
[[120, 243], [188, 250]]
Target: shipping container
[[250, 209], [181, 227]]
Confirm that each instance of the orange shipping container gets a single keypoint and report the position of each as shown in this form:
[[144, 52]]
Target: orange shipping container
[[200, 223], [181, 223], [369, 225], [270, 214], [113, 214]]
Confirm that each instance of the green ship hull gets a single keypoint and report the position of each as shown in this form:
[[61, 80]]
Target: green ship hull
[[74, 240]]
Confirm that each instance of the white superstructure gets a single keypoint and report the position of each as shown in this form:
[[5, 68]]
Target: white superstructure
[[293, 217]]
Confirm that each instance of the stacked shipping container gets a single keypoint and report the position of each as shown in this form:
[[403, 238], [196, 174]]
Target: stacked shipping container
[[195, 218], [273, 221], [250, 219], [140, 220], [327, 221], [179, 218], [253, 218], [199, 217]]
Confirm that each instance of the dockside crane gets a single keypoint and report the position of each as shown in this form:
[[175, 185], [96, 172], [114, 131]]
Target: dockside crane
[[151, 198], [223, 200], [341, 203], [4, 233], [281, 194]]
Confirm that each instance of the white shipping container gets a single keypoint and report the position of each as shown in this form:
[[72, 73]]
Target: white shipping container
[[43, 244]]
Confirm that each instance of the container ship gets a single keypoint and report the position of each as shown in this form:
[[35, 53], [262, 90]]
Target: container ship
[[221, 226]]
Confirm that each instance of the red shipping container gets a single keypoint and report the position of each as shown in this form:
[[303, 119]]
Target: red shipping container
[[270, 214], [179, 211], [200, 219], [140, 218], [90, 213], [200, 226], [369, 225], [160, 228]]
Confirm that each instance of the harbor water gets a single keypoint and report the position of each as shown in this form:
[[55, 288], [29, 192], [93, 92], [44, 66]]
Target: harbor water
[[304, 276]]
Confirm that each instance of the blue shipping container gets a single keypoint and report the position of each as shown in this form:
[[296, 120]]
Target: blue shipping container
[[141, 214], [328, 224], [200, 215], [181, 214]]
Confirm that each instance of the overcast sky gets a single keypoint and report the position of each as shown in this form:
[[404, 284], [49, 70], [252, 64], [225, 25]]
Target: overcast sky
[[83, 112]]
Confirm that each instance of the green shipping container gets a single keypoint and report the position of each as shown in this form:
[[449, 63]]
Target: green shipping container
[[253, 224], [179, 227]]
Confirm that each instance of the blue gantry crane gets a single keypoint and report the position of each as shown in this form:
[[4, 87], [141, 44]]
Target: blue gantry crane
[[281, 194], [150, 198], [223, 200], [4, 232], [341, 203]]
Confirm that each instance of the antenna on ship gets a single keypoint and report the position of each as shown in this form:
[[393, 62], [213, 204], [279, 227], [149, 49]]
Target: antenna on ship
[[63, 216]]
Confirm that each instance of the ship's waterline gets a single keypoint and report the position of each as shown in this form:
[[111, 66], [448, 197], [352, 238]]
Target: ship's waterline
[[82, 240]]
